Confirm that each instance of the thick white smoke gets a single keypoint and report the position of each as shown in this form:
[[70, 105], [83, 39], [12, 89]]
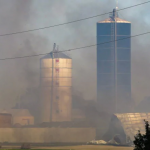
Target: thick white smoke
[[18, 15]]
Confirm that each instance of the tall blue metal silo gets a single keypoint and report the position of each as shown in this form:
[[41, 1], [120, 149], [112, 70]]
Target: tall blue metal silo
[[114, 64]]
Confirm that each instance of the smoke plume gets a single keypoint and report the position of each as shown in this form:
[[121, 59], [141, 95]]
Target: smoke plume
[[19, 74], [17, 15]]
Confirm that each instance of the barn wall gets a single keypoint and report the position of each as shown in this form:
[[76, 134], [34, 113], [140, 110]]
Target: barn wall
[[47, 135]]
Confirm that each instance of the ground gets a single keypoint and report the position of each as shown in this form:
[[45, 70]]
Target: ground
[[81, 147], [92, 147]]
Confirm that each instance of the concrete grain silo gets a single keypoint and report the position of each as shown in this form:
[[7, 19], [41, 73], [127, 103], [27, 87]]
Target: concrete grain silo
[[56, 87]]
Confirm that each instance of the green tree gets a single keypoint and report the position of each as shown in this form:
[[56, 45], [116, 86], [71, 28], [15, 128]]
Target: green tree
[[142, 141]]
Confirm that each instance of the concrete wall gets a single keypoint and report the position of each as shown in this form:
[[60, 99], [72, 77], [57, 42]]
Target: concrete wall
[[47, 135]]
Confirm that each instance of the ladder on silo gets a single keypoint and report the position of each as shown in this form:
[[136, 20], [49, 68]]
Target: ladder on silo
[[113, 53], [57, 80], [53, 83], [112, 32]]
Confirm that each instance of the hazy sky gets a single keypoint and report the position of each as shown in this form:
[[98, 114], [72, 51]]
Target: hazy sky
[[18, 15]]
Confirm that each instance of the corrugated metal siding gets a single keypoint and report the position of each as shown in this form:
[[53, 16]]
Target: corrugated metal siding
[[133, 122], [62, 89]]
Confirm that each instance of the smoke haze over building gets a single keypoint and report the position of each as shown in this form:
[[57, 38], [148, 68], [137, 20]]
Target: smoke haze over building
[[18, 15]]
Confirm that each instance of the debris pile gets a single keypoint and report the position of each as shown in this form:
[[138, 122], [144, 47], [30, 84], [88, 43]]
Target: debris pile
[[116, 140], [97, 142]]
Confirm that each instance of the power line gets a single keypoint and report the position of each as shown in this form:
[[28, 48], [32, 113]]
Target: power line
[[76, 48], [42, 28], [103, 42]]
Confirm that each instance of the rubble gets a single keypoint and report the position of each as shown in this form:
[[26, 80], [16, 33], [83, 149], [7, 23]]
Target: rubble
[[97, 142]]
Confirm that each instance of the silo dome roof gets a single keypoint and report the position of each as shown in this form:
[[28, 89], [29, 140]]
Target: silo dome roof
[[110, 20], [114, 17], [56, 55]]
